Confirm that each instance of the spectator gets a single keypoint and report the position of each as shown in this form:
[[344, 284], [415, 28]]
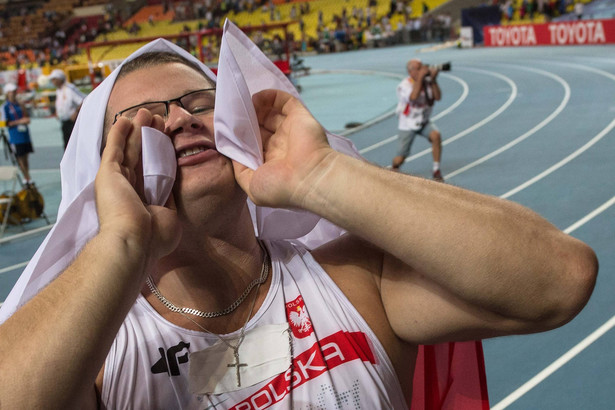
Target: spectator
[[68, 102], [17, 121], [578, 9]]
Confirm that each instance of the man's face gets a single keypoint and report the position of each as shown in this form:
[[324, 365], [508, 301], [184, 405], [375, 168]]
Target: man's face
[[57, 83], [414, 66], [201, 170]]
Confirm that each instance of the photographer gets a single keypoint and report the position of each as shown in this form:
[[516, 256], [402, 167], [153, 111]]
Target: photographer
[[416, 96]]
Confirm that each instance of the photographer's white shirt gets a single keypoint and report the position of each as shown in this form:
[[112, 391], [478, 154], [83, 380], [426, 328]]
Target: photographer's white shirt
[[68, 99], [413, 115]]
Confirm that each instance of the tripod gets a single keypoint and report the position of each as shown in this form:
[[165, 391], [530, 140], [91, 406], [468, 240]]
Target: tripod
[[35, 202]]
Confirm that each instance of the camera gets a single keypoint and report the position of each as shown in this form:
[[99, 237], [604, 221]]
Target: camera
[[441, 67]]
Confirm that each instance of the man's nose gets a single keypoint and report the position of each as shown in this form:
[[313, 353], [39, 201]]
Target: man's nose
[[179, 119]]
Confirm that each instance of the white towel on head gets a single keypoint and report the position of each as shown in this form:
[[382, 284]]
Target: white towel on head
[[243, 70]]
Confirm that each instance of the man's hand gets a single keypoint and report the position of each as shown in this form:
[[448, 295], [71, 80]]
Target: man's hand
[[21, 121], [119, 192], [73, 117], [424, 71], [433, 72], [295, 147]]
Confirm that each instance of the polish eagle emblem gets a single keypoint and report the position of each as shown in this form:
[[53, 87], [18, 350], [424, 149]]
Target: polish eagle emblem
[[299, 318]]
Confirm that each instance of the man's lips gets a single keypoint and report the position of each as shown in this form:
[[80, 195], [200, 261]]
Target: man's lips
[[195, 154], [190, 151]]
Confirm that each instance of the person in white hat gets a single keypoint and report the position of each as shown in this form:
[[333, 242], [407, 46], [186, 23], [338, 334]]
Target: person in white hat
[[17, 121], [195, 302], [68, 102]]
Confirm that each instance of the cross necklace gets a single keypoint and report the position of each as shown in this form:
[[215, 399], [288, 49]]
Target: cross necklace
[[237, 362]]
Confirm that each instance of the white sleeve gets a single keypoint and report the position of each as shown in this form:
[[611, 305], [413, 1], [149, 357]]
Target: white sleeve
[[77, 96]]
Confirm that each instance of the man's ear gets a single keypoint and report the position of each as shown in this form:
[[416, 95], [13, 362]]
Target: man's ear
[[106, 128]]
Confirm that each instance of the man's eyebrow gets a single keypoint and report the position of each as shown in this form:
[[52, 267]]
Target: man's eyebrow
[[180, 95]]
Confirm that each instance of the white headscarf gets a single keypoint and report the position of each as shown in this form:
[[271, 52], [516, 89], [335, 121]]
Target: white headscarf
[[243, 70]]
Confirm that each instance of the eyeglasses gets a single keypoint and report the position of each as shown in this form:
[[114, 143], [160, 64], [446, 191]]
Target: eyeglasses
[[197, 102]]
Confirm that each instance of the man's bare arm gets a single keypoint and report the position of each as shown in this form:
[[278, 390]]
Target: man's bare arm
[[489, 254], [417, 86], [435, 87], [466, 251], [52, 349]]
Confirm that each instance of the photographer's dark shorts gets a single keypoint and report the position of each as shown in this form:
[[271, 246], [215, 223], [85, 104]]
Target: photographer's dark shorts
[[22, 150], [406, 137]]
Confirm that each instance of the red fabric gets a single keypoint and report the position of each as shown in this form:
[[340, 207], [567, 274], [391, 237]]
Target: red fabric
[[450, 376], [407, 109], [22, 81], [283, 65]]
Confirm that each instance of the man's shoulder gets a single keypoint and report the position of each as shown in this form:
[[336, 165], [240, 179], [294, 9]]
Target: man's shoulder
[[405, 83], [72, 87], [349, 250]]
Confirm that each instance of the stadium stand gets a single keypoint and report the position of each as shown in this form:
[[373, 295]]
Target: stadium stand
[[151, 13], [50, 32]]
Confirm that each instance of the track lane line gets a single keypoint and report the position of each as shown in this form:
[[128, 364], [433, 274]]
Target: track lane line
[[561, 163], [529, 133], [579, 347], [574, 351]]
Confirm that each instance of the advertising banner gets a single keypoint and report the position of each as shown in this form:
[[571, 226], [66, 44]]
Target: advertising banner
[[466, 36], [563, 33]]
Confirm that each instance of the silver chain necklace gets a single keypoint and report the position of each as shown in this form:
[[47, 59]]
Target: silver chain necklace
[[237, 363], [209, 315], [182, 311]]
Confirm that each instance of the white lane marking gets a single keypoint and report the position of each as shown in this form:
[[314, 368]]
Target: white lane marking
[[561, 163], [25, 234], [578, 152], [529, 133], [590, 216], [362, 72], [13, 267], [565, 358], [570, 354], [534, 381]]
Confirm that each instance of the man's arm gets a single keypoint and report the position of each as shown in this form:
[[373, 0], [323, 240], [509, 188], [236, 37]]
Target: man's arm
[[52, 349], [78, 98], [493, 266], [76, 113], [25, 120], [467, 265], [435, 88], [417, 86]]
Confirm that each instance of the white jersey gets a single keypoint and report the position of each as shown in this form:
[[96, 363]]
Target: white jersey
[[337, 361], [413, 115], [68, 99]]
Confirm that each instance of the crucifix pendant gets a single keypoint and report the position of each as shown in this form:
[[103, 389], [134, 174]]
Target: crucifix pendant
[[237, 365]]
